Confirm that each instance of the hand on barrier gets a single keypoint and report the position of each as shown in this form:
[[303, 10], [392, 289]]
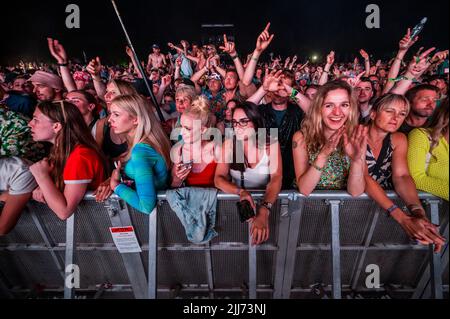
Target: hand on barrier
[[38, 196], [260, 227], [104, 191]]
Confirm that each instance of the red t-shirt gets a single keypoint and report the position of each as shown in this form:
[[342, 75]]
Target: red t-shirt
[[84, 166]]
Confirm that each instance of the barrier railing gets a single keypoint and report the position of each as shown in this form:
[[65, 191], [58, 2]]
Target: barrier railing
[[323, 243]]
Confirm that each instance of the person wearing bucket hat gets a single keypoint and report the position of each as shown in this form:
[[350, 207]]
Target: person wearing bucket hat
[[156, 59], [47, 86]]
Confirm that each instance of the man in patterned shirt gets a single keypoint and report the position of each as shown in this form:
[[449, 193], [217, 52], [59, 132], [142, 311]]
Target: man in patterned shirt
[[15, 137]]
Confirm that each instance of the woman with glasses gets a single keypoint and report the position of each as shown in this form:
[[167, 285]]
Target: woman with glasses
[[388, 169], [329, 150], [75, 164], [227, 122], [251, 162], [195, 158]]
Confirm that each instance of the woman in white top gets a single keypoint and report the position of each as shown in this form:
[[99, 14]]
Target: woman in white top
[[251, 162]]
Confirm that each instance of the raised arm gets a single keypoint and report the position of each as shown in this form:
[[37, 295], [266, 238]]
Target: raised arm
[[94, 68], [366, 58], [230, 48], [405, 43], [326, 71], [133, 60], [262, 43], [272, 83], [59, 53], [417, 67]]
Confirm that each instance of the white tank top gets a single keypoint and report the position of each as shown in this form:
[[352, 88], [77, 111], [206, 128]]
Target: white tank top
[[254, 178]]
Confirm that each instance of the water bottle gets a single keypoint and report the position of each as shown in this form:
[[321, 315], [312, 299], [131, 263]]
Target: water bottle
[[418, 28]]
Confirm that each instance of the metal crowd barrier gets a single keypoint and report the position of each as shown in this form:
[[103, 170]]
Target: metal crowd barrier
[[319, 246]]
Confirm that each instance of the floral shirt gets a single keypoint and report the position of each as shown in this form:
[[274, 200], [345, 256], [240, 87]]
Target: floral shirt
[[15, 137], [335, 173]]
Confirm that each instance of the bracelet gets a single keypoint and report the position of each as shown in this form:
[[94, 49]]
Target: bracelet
[[294, 93], [324, 71], [390, 210], [255, 59], [63, 64], [234, 57], [320, 169]]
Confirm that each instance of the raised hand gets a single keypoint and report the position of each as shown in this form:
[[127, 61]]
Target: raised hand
[[419, 64], [406, 42], [166, 80], [129, 52], [57, 50], [353, 82], [228, 46], [272, 81], [364, 54], [330, 58], [94, 67], [355, 146], [439, 56], [264, 39]]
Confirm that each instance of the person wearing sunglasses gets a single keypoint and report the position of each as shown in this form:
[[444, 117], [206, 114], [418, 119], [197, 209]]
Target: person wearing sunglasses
[[252, 161]]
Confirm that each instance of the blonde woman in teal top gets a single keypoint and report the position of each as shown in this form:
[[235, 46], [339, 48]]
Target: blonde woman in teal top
[[148, 161]]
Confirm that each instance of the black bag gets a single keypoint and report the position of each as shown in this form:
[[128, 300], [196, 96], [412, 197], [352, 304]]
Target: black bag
[[244, 207], [245, 210]]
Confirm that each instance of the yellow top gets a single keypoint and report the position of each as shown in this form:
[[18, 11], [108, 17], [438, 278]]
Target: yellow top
[[434, 179]]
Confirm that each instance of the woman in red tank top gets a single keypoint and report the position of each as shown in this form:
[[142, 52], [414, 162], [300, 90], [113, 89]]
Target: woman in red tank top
[[195, 158]]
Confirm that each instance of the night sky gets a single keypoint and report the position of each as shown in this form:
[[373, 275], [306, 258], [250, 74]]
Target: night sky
[[301, 27]]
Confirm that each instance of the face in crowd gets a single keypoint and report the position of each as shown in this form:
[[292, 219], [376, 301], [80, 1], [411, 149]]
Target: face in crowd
[[80, 102], [231, 80], [182, 102], [244, 128], [44, 93], [390, 117], [121, 122], [335, 109], [111, 93], [424, 103], [364, 92]]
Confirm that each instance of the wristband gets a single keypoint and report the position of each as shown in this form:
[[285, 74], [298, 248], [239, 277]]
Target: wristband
[[234, 57], [63, 64], [390, 210], [294, 93]]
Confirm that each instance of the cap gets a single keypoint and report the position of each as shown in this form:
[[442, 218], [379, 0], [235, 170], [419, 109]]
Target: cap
[[214, 76], [155, 46]]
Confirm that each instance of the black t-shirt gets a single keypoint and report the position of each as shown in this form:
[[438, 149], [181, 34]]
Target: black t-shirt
[[289, 124]]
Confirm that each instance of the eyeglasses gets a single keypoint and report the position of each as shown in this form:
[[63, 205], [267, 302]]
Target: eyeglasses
[[242, 122]]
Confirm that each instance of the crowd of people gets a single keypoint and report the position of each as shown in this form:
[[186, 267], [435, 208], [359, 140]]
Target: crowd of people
[[214, 121]]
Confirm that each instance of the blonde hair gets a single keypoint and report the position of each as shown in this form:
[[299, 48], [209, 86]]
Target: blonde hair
[[199, 110], [312, 125], [382, 102], [149, 129], [123, 87], [187, 91]]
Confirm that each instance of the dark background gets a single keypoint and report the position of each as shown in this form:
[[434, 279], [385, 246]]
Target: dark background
[[300, 27]]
